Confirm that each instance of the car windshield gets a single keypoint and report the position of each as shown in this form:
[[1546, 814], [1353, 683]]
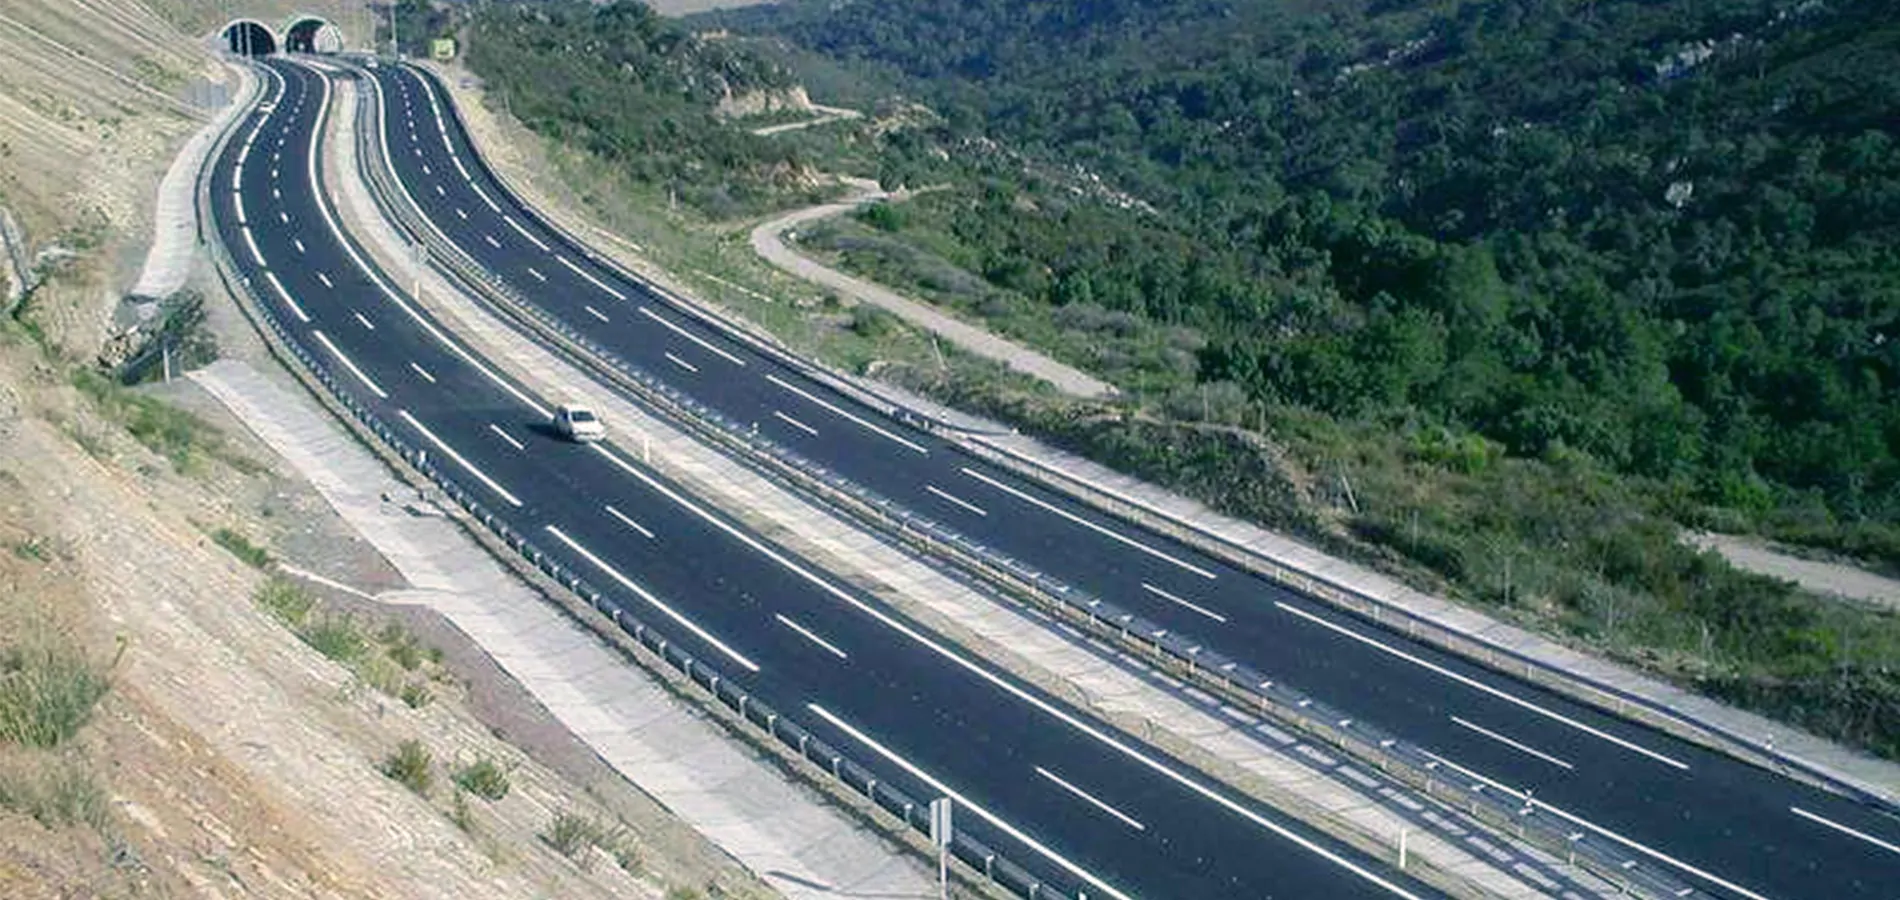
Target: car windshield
[[580, 415]]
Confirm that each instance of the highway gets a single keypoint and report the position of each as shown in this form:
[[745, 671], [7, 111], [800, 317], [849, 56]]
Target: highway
[[1727, 827], [1084, 809]]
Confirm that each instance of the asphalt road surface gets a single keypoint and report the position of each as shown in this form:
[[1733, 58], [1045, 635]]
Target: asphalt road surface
[[1085, 810], [1729, 828]]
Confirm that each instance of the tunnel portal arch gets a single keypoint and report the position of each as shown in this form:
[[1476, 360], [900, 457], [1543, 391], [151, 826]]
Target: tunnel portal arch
[[310, 34], [249, 37]]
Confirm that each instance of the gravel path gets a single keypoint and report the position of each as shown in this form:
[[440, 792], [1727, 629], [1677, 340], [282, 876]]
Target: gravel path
[[768, 241], [1815, 575]]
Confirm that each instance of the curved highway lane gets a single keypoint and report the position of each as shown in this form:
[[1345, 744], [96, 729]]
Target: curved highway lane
[[1084, 809], [1730, 828]]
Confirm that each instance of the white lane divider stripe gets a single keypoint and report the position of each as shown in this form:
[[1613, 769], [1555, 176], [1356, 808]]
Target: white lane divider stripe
[[440, 192], [1884, 845], [1125, 818], [298, 243], [326, 280], [807, 634], [1021, 694], [630, 523], [491, 241], [795, 423], [1511, 743], [681, 363], [848, 415], [704, 344], [425, 169], [1479, 685], [506, 437], [1105, 532], [348, 364], [1575, 820], [1178, 601], [463, 213], [423, 372], [996, 821], [363, 321], [946, 495], [288, 300], [651, 600], [591, 279], [537, 275], [596, 313], [524, 232], [283, 217], [459, 459]]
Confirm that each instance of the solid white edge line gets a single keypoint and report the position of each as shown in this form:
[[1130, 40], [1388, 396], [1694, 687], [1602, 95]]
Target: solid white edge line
[[388, 291], [324, 339], [237, 197], [1525, 748], [252, 243], [1884, 845], [1093, 732], [995, 820], [834, 408], [651, 600], [1577, 820], [459, 459], [491, 204], [596, 313], [680, 362], [1105, 532], [591, 279], [1183, 603], [506, 437], [946, 495], [288, 300], [1098, 803], [807, 634], [682, 332], [423, 372], [1495, 692], [524, 232], [795, 423], [630, 523]]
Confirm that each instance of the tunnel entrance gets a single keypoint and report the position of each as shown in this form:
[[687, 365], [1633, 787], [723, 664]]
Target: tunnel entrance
[[313, 35], [247, 37]]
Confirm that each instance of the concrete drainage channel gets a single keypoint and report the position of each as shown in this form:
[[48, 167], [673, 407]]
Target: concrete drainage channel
[[1500, 811]]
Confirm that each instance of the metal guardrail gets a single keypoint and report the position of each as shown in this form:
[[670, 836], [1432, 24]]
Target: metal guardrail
[[1181, 656], [980, 857], [1579, 687]]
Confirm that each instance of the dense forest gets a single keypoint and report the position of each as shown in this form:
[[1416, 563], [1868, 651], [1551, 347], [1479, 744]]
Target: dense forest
[[1499, 294], [632, 90], [1666, 235]]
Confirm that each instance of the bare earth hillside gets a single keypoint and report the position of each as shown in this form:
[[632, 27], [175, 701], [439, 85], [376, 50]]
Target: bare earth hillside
[[168, 726]]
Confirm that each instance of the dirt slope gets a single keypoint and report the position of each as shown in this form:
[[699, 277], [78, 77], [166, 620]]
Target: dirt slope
[[161, 734]]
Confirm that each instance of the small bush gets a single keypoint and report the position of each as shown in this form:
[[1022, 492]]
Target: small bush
[[241, 547], [484, 778], [336, 637], [417, 694], [411, 765], [461, 815], [55, 794], [46, 693], [572, 835], [285, 601]]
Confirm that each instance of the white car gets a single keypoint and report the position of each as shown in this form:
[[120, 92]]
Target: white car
[[578, 423]]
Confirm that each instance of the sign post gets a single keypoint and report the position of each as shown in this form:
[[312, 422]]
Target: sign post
[[940, 832]]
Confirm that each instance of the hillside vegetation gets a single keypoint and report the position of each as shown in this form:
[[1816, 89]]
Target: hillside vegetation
[[1497, 295]]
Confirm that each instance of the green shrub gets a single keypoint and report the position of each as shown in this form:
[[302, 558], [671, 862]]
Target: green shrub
[[55, 793], [47, 692], [241, 547], [336, 637], [416, 694], [412, 766], [484, 778]]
